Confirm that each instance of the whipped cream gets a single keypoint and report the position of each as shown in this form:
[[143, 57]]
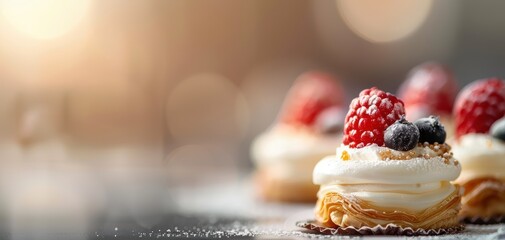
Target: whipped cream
[[284, 143], [481, 155], [416, 184], [292, 152], [365, 165], [296, 172]]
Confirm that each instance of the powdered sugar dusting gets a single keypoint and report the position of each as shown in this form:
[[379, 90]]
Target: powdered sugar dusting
[[386, 103], [372, 110], [373, 100], [391, 117], [402, 135], [398, 107], [268, 229]]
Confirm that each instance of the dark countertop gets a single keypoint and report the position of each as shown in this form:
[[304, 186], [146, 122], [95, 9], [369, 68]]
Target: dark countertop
[[232, 212]]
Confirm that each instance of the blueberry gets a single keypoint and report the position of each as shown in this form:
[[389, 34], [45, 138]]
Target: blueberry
[[498, 129], [401, 135], [330, 120], [431, 130]]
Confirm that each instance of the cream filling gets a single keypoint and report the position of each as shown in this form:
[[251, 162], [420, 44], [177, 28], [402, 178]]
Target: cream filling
[[362, 173], [480, 155], [413, 197], [283, 145]]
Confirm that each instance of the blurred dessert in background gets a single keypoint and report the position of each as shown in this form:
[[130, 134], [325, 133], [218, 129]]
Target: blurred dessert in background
[[480, 147], [430, 89], [308, 127], [388, 172]]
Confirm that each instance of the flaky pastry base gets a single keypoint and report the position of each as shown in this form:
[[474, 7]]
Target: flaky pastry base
[[271, 188], [334, 209], [484, 198]]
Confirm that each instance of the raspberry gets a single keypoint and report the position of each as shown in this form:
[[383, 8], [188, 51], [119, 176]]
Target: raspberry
[[368, 117], [311, 94], [479, 105], [429, 89]]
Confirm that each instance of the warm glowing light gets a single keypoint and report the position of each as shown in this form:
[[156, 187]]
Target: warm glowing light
[[207, 106], [44, 19], [384, 20]]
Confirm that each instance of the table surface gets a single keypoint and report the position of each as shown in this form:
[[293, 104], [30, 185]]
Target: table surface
[[231, 211]]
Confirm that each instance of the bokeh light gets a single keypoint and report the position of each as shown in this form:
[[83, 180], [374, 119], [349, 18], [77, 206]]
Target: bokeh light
[[44, 19], [122, 114], [384, 20]]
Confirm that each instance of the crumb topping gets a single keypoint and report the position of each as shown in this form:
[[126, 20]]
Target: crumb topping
[[441, 150], [345, 156]]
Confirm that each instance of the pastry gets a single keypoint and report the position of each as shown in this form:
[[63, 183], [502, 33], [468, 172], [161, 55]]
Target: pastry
[[480, 107], [430, 89], [384, 176], [307, 129]]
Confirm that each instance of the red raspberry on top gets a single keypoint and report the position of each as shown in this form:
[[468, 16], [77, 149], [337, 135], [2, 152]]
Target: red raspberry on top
[[368, 117], [311, 94], [430, 89], [479, 105]]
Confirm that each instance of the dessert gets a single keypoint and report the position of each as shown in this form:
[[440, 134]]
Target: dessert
[[306, 130], [430, 89], [480, 147], [383, 177]]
